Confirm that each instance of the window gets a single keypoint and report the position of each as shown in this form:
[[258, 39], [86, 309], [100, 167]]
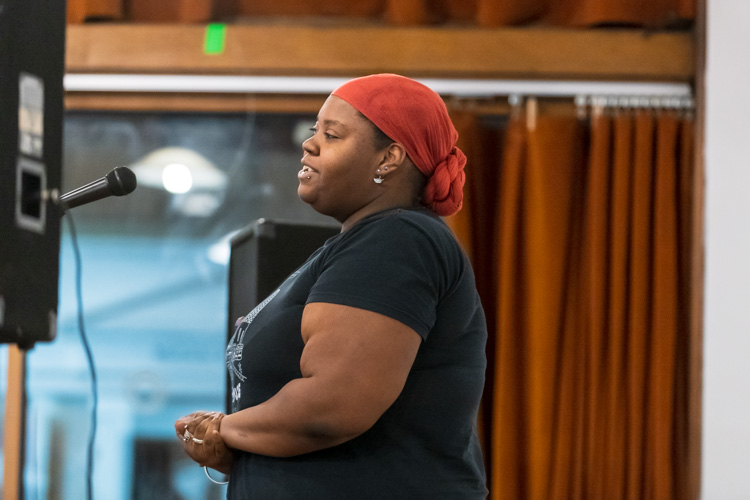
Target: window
[[154, 288]]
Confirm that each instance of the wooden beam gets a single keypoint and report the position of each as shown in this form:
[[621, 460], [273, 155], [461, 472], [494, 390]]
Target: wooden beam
[[14, 425], [236, 103], [284, 49], [190, 102]]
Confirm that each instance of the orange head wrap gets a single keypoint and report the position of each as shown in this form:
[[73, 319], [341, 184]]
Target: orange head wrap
[[416, 117]]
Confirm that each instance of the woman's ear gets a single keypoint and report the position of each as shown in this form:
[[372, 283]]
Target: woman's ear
[[394, 157]]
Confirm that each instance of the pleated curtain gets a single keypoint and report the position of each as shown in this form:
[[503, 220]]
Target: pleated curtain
[[570, 13], [585, 13], [585, 273]]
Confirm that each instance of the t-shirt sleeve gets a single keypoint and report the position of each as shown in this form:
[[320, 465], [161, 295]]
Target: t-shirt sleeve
[[392, 267]]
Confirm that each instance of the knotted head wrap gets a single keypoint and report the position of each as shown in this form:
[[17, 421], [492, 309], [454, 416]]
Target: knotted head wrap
[[415, 116]]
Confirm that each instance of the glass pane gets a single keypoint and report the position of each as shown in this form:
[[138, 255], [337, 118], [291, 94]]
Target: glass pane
[[154, 295]]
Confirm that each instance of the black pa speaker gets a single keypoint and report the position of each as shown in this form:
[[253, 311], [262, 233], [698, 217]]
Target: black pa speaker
[[32, 54], [261, 256]]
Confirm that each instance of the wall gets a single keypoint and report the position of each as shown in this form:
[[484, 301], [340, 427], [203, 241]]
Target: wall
[[726, 365]]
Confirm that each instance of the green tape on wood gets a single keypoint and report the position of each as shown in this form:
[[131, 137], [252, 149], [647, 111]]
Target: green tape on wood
[[215, 40]]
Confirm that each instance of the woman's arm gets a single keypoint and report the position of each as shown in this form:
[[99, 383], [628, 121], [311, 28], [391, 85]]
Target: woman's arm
[[354, 366]]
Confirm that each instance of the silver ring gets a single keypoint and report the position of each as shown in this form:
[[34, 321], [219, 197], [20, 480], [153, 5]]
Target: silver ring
[[187, 436], [197, 441]]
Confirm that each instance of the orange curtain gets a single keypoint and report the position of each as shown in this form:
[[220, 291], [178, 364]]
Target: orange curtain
[[582, 13], [175, 11], [571, 13], [300, 8], [79, 11], [534, 424], [474, 225], [485, 13], [587, 282], [647, 13]]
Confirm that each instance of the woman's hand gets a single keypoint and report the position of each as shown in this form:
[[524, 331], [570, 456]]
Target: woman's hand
[[201, 440]]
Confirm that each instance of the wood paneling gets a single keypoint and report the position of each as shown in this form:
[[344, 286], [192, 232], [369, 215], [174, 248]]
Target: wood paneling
[[247, 103], [445, 52], [190, 102]]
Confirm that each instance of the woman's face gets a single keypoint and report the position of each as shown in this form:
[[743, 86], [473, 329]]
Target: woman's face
[[339, 163]]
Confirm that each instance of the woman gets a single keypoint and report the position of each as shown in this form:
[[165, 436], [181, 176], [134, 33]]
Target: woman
[[361, 376]]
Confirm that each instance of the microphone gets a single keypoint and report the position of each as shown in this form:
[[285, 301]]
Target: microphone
[[118, 182]]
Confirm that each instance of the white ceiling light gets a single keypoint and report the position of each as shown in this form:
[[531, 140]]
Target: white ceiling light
[[178, 170], [177, 178]]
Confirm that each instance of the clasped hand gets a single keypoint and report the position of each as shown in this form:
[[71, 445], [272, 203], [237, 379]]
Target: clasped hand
[[201, 439]]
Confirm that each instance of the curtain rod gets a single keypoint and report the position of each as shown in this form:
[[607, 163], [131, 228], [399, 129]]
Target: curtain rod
[[467, 88]]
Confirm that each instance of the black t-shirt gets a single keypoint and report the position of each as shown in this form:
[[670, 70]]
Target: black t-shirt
[[406, 265]]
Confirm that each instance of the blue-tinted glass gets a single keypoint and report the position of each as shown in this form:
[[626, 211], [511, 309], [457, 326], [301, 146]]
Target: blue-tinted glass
[[154, 290]]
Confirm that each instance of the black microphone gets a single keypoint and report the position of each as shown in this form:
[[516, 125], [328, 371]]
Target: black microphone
[[118, 182]]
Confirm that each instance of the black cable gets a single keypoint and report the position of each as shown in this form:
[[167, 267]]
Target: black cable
[[89, 356]]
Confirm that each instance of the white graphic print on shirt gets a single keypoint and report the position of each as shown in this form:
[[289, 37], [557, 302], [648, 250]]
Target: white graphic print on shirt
[[234, 349]]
